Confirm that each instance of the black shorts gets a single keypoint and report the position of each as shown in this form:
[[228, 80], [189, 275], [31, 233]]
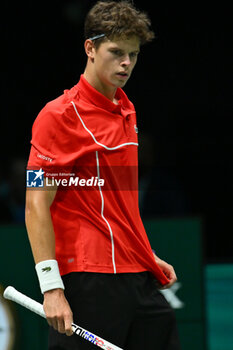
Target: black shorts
[[125, 309]]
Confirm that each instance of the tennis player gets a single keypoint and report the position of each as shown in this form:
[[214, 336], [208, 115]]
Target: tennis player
[[94, 262]]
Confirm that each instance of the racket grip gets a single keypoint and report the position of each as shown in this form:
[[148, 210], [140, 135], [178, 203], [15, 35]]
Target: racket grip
[[12, 294]]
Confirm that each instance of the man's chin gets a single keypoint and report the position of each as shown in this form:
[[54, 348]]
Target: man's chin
[[121, 83]]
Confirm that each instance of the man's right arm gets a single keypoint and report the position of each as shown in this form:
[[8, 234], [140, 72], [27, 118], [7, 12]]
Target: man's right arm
[[42, 239]]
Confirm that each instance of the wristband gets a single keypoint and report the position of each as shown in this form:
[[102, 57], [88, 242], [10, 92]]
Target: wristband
[[49, 275]]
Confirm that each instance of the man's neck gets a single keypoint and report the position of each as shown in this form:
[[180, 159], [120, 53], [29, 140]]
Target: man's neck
[[99, 86]]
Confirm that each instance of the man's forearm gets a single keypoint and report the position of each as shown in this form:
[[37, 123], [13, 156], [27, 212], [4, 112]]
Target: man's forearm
[[40, 233]]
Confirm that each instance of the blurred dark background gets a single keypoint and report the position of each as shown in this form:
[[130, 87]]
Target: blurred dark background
[[182, 91]]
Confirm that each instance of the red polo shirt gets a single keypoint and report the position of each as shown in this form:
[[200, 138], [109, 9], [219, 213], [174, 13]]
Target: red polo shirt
[[97, 229]]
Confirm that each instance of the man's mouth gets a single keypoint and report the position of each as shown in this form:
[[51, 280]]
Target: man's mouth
[[123, 75]]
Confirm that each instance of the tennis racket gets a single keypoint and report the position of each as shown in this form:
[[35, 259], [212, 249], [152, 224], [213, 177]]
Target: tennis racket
[[12, 294]]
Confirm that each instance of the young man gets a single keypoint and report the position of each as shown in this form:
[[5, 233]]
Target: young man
[[94, 237]]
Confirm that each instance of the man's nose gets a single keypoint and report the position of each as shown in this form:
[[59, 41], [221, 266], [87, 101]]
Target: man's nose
[[126, 61]]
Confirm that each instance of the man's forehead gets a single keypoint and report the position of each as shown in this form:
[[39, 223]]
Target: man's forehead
[[132, 43]]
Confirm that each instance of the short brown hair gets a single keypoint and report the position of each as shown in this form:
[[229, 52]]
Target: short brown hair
[[117, 18]]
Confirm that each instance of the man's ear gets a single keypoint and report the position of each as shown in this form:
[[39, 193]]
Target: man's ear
[[89, 48]]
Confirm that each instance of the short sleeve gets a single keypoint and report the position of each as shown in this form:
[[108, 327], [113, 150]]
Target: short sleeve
[[54, 140]]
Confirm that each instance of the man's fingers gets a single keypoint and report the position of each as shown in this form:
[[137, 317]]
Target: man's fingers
[[68, 328], [61, 325], [52, 321], [58, 312], [172, 281]]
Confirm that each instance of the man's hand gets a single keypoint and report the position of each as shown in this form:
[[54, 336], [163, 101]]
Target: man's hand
[[168, 270], [58, 312]]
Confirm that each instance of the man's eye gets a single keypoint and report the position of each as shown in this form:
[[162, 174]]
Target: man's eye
[[117, 52], [133, 54]]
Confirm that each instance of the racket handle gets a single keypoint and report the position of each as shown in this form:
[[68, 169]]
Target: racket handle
[[12, 294]]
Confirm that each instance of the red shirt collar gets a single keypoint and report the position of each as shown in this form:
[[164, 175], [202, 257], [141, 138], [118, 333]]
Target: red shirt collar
[[124, 105]]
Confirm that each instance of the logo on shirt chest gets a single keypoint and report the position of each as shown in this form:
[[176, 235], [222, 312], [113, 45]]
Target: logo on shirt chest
[[136, 128]]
